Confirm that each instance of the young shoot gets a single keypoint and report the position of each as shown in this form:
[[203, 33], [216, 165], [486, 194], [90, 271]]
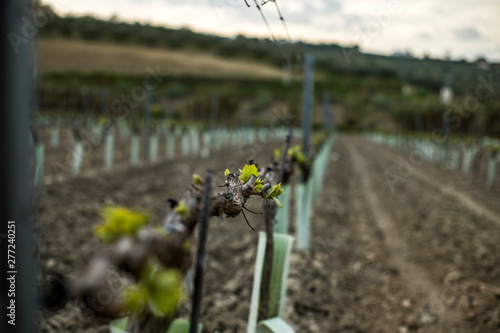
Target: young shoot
[[119, 221]]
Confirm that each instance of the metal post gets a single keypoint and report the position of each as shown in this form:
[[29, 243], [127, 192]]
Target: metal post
[[201, 253], [16, 187], [446, 96], [214, 108], [147, 127], [307, 101], [328, 119], [419, 127], [105, 109]]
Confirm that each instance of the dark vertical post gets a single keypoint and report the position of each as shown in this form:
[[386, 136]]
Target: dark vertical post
[[147, 126], [419, 126], [86, 109], [214, 106], [332, 117], [328, 120], [105, 110], [36, 94], [446, 95], [15, 178], [165, 111], [307, 101], [287, 70], [472, 126], [446, 99], [201, 253]]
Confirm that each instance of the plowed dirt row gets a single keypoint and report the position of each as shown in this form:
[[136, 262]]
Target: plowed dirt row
[[450, 233], [415, 278], [410, 260]]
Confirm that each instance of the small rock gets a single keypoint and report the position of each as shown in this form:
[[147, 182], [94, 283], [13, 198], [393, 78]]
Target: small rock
[[402, 329], [317, 264], [356, 266], [406, 303], [51, 263], [426, 318], [370, 256], [313, 326]]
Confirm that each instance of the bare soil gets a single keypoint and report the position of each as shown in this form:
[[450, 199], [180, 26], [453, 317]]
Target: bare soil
[[418, 255]]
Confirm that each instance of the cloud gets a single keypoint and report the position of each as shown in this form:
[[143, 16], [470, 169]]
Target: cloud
[[422, 25], [352, 21], [424, 36], [467, 34], [333, 6], [310, 12]]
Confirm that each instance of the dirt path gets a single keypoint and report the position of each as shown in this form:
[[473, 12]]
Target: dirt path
[[415, 278], [448, 233], [460, 196], [474, 196]]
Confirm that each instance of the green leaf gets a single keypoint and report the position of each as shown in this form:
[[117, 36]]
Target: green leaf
[[182, 209], [119, 221], [259, 187], [227, 172], [275, 191], [296, 154], [160, 231], [197, 179], [277, 154], [164, 287], [278, 203], [247, 173], [135, 298], [101, 120]]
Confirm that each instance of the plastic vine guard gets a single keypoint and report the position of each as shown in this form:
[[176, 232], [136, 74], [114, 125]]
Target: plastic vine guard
[[277, 289], [274, 325]]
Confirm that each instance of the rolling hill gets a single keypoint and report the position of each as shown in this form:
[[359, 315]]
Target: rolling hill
[[59, 54]]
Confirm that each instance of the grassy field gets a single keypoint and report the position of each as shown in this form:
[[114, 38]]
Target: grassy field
[[56, 54]]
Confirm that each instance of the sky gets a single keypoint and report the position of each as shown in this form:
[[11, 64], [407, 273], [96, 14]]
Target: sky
[[464, 29]]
